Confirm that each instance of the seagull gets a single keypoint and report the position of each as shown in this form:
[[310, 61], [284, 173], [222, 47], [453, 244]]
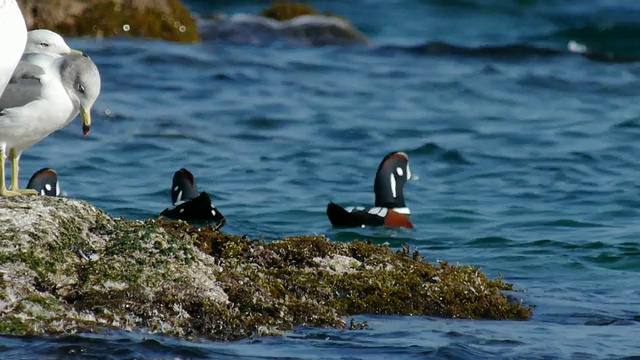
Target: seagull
[[40, 41], [45, 94], [13, 37], [43, 41]]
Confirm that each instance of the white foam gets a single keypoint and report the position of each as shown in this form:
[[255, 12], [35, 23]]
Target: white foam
[[298, 21], [576, 47]]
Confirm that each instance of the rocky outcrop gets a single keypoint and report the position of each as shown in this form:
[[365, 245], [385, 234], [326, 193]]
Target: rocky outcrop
[[158, 19], [66, 266]]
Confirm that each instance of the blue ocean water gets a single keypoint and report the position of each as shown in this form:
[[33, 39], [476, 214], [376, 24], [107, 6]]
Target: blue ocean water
[[527, 153]]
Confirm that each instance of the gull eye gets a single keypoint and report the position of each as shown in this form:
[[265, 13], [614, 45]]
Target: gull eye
[[44, 44], [81, 88]]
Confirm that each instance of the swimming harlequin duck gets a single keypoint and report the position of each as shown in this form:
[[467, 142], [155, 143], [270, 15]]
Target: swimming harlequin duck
[[188, 204], [390, 209], [45, 182]]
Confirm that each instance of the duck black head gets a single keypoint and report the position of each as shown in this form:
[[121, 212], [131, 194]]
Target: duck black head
[[45, 182], [393, 173], [183, 187]]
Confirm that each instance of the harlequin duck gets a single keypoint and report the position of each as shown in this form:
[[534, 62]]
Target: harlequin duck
[[390, 209], [188, 204], [45, 182]]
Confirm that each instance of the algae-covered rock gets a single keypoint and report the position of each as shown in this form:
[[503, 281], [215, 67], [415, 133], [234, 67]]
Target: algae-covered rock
[[159, 19], [66, 266]]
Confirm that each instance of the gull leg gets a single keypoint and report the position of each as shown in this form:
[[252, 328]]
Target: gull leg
[[15, 170], [3, 187]]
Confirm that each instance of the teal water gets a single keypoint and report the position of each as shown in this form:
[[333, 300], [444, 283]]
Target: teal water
[[527, 153]]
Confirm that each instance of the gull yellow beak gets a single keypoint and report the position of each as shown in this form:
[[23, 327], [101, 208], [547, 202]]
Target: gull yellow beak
[[77, 52], [86, 120]]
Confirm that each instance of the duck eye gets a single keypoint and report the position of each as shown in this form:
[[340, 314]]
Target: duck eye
[[44, 44]]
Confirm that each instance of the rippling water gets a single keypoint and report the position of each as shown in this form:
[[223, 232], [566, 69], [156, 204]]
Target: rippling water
[[528, 156]]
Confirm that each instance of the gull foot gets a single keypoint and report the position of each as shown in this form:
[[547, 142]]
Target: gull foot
[[8, 193], [25, 191]]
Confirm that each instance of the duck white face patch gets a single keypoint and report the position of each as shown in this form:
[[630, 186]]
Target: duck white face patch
[[399, 171], [176, 188], [47, 187], [213, 212]]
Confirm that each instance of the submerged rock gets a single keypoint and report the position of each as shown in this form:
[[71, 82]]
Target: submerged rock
[[290, 22], [66, 266], [158, 19], [286, 10], [312, 30]]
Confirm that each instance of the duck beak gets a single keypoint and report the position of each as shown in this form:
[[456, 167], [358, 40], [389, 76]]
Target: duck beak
[[86, 120]]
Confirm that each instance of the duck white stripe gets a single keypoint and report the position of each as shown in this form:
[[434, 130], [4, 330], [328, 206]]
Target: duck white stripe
[[178, 199], [402, 210], [392, 179]]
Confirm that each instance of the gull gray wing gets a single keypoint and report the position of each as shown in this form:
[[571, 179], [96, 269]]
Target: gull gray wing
[[26, 71], [23, 87]]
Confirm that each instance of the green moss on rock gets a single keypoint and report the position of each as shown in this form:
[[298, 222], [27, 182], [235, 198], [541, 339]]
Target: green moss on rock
[[66, 266], [160, 19], [299, 273]]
